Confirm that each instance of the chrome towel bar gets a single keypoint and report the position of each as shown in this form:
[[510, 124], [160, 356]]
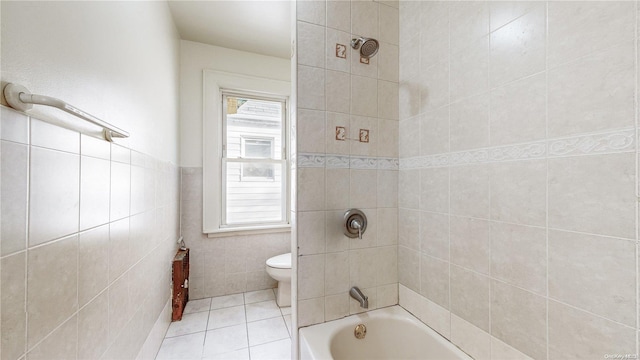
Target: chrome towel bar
[[19, 98]]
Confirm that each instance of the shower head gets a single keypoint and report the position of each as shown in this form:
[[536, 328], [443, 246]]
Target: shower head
[[368, 47]]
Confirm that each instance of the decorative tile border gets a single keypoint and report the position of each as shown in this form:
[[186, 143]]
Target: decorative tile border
[[598, 143], [330, 161]]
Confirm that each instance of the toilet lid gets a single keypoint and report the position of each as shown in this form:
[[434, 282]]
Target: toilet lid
[[280, 262]]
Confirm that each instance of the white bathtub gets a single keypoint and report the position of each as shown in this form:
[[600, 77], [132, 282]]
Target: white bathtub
[[392, 333]]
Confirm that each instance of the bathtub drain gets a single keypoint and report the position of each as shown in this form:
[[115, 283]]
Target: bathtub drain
[[360, 331]]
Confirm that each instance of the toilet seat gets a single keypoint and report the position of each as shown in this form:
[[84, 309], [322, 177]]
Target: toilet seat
[[280, 262]]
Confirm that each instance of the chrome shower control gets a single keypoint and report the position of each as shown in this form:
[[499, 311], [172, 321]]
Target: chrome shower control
[[355, 223]]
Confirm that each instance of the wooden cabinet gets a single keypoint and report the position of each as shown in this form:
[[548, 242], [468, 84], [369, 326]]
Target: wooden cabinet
[[180, 283]]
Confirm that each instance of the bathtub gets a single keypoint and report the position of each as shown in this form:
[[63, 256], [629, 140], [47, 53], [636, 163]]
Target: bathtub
[[392, 333]]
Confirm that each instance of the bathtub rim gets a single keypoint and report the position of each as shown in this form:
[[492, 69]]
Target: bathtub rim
[[311, 335]]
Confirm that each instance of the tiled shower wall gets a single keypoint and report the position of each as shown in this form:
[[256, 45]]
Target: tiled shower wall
[[223, 265], [334, 89], [518, 175], [88, 232]]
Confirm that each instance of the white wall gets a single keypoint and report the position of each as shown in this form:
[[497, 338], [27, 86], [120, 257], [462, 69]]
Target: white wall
[[115, 60], [194, 58], [88, 228]]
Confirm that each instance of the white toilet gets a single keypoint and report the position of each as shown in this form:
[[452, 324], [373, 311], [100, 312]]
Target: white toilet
[[279, 268]]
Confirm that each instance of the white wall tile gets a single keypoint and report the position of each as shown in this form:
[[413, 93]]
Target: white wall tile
[[51, 284], [388, 62], [592, 94], [93, 335], [364, 96], [311, 225], [519, 256], [504, 12], [388, 100], [469, 186], [338, 91], [577, 334], [311, 44], [518, 192], [363, 188], [584, 270], [468, 22], [434, 234], [311, 88], [312, 11], [579, 28], [434, 280], [336, 269], [470, 297], [364, 18], [93, 263], [54, 196], [14, 126], [606, 181], [95, 181], [469, 70], [389, 28], [518, 111], [14, 167], [434, 34], [311, 276], [54, 137], [13, 316], [62, 343], [519, 318], [339, 15], [469, 123], [518, 48]]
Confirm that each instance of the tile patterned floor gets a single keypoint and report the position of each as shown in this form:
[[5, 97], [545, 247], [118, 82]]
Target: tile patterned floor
[[247, 326]]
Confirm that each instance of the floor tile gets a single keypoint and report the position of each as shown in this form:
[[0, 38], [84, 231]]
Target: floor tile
[[197, 305], [262, 310], [242, 354], [277, 350], [226, 301], [225, 340], [226, 317], [182, 347], [190, 323], [264, 331], [257, 296]]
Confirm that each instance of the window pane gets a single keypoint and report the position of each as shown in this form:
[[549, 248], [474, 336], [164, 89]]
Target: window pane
[[258, 148], [255, 197], [253, 128]]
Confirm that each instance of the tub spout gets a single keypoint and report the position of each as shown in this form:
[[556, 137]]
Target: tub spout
[[358, 295]]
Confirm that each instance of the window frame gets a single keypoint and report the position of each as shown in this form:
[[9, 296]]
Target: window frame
[[214, 84]]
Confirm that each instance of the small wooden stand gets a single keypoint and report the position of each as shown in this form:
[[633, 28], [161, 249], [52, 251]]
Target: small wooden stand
[[180, 283]]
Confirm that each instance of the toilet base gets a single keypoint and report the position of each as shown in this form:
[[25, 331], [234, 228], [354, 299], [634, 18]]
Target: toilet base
[[283, 295]]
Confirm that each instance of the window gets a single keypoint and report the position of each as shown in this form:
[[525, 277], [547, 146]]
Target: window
[[254, 190], [245, 158]]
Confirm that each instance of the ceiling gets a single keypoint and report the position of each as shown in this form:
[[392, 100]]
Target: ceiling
[[261, 27]]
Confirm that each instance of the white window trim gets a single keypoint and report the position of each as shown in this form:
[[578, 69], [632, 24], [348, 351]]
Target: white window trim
[[213, 84]]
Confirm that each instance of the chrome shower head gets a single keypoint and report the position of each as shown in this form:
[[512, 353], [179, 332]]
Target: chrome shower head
[[368, 47]]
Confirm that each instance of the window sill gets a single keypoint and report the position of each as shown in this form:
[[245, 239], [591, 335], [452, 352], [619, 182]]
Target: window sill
[[254, 230]]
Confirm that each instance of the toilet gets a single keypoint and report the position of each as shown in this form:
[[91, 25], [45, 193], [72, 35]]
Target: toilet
[[279, 268]]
